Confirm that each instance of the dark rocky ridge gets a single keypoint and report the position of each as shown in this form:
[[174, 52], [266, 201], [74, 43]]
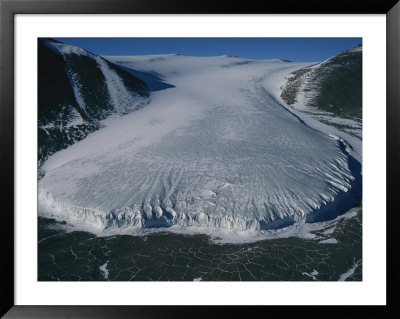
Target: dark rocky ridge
[[334, 85], [64, 117]]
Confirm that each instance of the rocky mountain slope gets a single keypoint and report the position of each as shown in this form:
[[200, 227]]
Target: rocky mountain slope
[[330, 91], [76, 91]]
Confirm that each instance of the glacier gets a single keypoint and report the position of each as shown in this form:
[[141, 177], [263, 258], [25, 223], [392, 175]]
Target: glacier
[[218, 149]]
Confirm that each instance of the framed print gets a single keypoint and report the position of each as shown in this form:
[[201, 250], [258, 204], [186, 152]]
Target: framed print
[[161, 155]]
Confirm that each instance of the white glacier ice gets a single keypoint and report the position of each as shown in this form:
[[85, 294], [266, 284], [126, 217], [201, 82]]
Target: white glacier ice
[[350, 272], [104, 270], [217, 151], [329, 241]]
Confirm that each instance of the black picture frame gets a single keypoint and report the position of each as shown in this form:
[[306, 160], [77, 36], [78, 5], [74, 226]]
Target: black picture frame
[[9, 8]]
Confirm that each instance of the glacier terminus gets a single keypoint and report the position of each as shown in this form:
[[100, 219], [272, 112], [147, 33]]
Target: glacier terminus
[[217, 148]]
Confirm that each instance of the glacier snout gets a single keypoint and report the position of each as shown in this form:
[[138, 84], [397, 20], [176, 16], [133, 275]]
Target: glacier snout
[[212, 152]]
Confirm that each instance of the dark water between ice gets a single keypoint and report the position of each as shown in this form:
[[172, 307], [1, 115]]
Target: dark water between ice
[[70, 256]]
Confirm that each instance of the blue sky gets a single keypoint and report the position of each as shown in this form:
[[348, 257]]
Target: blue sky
[[294, 49]]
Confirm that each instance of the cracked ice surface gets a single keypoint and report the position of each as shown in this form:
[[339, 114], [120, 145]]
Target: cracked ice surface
[[165, 256], [217, 150]]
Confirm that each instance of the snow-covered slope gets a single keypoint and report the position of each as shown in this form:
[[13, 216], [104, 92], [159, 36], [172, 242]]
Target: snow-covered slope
[[76, 90], [216, 150]]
